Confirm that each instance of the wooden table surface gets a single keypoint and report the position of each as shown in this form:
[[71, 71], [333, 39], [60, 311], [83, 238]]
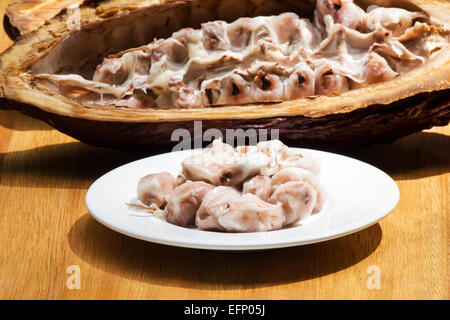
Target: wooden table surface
[[45, 228]]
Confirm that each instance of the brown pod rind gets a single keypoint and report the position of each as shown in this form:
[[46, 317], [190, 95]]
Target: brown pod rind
[[380, 112], [25, 16]]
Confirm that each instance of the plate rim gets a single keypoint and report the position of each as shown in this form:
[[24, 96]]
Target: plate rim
[[343, 231]]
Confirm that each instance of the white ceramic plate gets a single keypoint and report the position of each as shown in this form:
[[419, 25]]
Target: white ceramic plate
[[359, 195]]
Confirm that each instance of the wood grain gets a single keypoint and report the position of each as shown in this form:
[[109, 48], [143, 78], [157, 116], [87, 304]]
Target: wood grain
[[45, 227]]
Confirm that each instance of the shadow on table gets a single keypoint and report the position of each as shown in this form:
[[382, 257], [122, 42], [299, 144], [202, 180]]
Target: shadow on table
[[77, 165], [416, 156], [211, 270], [66, 165], [17, 121]]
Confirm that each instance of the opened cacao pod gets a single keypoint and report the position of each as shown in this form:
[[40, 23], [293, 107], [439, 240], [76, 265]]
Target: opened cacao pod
[[127, 73]]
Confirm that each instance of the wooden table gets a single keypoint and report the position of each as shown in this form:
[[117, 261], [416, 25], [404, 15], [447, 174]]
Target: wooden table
[[45, 227]]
